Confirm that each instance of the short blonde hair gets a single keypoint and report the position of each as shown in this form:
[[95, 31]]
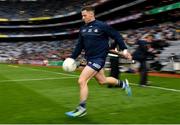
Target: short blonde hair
[[88, 8]]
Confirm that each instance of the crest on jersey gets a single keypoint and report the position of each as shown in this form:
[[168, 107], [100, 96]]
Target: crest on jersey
[[95, 30]]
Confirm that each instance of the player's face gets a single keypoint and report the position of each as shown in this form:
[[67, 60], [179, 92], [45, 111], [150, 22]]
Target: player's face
[[87, 16]]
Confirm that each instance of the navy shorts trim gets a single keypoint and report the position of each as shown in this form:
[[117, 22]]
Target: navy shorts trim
[[96, 64]]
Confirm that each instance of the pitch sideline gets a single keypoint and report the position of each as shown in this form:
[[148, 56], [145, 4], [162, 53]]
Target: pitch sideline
[[26, 80]]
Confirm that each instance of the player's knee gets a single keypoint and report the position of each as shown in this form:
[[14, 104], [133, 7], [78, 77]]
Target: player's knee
[[82, 82]]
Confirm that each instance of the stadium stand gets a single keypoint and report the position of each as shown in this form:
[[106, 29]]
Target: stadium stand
[[39, 8], [165, 35]]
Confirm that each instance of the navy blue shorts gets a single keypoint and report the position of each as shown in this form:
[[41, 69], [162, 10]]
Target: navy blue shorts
[[96, 64]]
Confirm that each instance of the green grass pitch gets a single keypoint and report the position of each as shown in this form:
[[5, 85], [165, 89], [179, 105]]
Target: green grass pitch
[[42, 95]]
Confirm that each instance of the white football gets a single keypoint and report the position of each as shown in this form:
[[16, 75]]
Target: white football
[[69, 65]]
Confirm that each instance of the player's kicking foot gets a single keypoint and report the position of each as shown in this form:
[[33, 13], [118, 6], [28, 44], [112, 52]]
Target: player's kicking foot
[[127, 88], [78, 112]]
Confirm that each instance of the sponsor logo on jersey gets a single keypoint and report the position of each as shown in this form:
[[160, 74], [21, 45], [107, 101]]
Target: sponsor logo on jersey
[[89, 30]]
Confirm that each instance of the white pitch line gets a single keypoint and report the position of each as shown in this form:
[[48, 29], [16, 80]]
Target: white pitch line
[[13, 66], [66, 74], [162, 88], [19, 80]]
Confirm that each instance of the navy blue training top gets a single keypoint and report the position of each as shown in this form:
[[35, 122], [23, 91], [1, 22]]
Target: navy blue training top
[[94, 38]]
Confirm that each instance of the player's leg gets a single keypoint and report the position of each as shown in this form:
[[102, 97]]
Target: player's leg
[[102, 79], [85, 75]]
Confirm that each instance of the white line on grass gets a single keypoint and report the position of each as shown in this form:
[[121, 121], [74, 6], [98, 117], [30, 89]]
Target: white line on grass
[[66, 74], [19, 80], [156, 87], [13, 66]]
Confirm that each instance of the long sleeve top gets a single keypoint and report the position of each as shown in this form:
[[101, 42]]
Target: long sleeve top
[[94, 38]]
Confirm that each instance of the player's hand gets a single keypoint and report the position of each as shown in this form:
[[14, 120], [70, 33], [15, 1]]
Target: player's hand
[[127, 55]]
